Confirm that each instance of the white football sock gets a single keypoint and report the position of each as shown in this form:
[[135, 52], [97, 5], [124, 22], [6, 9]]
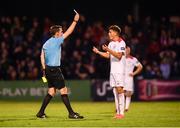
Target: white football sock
[[128, 101], [121, 103], [116, 98]]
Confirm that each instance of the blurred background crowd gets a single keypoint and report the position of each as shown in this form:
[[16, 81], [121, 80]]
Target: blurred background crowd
[[154, 41]]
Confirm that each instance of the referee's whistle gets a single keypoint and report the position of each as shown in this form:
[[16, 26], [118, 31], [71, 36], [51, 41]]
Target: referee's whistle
[[44, 79]]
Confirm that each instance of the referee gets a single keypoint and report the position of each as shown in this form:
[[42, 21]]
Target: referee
[[50, 61]]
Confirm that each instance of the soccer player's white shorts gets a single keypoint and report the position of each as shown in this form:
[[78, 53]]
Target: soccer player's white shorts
[[129, 84], [116, 80]]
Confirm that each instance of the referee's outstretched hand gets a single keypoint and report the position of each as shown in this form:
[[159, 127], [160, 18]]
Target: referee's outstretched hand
[[72, 26], [76, 17]]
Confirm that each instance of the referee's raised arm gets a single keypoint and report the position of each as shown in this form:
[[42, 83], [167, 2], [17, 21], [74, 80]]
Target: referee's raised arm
[[72, 26]]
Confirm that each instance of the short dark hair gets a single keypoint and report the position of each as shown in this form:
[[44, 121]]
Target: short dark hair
[[115, 28], [54, 29], [128, 45]]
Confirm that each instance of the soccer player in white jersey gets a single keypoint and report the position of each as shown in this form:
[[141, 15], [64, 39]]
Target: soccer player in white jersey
[[131, 63], [116, 52]]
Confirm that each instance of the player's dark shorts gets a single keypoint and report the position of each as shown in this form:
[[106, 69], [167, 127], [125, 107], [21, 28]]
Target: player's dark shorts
[[55, 77]]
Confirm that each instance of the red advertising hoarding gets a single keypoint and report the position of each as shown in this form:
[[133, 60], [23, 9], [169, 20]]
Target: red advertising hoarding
[[158, 90]]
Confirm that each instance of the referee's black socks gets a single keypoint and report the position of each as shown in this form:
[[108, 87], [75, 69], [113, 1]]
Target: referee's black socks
[[65, 100], [46, 101]]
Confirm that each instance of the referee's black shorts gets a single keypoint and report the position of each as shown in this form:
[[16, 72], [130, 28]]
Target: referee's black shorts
[[55, 77]]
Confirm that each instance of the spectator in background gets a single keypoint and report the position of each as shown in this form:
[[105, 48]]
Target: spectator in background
[[165, 68], [23, 36], [153, 50], [167, 60]]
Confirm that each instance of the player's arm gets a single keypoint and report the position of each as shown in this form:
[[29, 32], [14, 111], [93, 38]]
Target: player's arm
[[139, 68], [42, 59], [118, 55], [103, 54], [72, 26]]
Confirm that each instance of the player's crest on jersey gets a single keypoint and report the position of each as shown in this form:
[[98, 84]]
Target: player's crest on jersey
[[122, 48]]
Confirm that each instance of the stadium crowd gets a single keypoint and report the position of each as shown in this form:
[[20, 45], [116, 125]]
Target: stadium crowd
[[155, 42]]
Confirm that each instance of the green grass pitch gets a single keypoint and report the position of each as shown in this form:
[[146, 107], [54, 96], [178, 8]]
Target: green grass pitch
[[97, 114]]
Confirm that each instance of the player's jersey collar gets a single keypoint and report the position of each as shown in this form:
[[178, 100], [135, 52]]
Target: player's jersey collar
[[119, 40], [129, 56]]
